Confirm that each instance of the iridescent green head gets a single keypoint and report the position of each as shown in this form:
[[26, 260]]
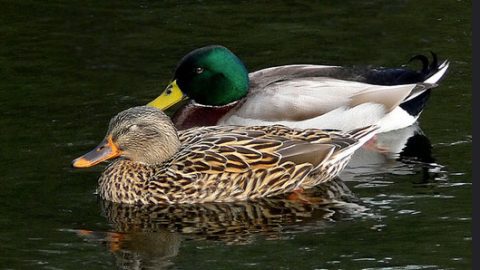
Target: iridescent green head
[[211, 75]]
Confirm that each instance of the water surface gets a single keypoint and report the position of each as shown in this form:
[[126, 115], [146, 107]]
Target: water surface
[[67, 67]]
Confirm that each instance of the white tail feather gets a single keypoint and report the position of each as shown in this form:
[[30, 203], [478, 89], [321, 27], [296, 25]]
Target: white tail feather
[[439, 74]]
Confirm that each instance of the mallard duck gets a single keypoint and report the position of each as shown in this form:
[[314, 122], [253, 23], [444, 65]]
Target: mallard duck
[[222, 92], [213, 164]]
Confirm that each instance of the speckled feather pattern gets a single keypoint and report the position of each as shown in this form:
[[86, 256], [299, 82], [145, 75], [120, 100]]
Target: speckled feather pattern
[[231, 163]]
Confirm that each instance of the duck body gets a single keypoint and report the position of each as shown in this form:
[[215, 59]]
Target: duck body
[[301, 96], [215, 164]]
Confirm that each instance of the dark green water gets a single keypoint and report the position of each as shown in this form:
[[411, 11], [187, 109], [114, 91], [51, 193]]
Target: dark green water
[[67, 67]]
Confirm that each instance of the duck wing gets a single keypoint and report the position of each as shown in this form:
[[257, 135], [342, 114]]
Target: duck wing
[[238, 149], [430, 72], [319, 102], [297, 145], [309, 106], [240, 163]]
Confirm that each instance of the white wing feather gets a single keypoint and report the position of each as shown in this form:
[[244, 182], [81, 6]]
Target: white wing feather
[[318, 102]]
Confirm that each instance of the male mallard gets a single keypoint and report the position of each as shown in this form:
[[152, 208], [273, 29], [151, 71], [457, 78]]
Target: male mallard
[[213, 164], [298, 96]]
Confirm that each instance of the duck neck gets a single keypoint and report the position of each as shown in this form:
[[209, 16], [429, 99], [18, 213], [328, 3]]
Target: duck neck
[[125, 181], [193, 115]]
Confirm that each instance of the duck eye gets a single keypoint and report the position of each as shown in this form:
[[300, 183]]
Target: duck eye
[[133, 127], [198, 70]]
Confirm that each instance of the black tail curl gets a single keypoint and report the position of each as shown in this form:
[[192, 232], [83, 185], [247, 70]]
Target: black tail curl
[[404, 75], [428, 69]]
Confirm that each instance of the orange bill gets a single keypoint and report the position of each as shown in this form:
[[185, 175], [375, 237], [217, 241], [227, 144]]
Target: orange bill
[[107, 149]]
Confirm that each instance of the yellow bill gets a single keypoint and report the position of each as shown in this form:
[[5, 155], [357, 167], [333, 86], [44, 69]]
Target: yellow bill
[[171, 96]]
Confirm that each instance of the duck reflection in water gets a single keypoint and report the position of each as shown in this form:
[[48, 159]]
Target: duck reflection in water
[[405, 151], [150, 236]]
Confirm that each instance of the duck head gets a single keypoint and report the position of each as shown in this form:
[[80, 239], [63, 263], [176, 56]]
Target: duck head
[[141, 134], [211, 75]]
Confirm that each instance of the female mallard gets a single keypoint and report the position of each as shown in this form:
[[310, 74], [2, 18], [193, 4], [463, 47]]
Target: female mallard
[[298, 96], [213, 164]]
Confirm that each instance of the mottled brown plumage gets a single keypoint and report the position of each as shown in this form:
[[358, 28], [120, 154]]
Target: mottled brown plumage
[[216, 164]]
